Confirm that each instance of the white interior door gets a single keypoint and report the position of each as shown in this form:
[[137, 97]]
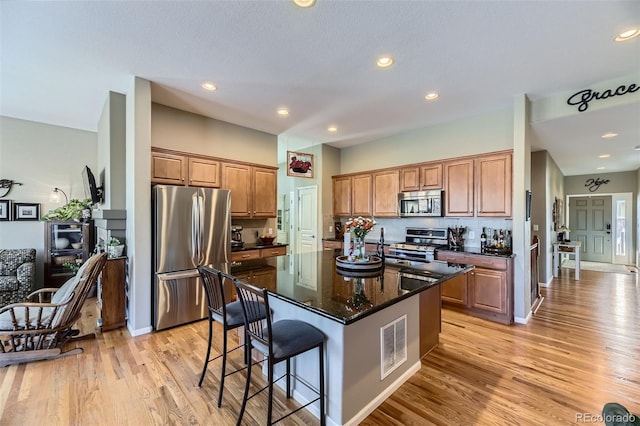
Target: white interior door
[[590, 223], [307, 219]]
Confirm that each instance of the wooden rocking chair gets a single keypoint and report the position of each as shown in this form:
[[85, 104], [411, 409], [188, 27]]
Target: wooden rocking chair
[[33, 331]]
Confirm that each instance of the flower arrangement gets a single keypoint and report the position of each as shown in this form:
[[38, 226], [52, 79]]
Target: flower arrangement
[[360, 226]]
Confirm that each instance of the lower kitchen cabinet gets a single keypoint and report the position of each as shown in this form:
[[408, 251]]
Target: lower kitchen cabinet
[[454, 291], [331, 245], [264, 277], [111, 294], [486, 291]]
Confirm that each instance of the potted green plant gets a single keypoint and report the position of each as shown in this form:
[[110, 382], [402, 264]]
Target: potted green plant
[[114, 247], [70, 211]]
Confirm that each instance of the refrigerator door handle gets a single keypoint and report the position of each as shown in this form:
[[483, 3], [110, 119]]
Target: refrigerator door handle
[[194, 230], [200, 227]]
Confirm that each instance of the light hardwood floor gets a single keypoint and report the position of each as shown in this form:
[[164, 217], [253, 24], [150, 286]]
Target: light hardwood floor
[[581, 350]]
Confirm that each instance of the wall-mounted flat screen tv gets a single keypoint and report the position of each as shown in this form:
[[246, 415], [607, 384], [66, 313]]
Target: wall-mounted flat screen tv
[[91, 190]]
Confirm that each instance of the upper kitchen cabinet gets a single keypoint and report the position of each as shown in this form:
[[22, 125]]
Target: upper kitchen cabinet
[[386, 185], [204, 172], [458, 186], [352, 195], [168, 168], [253, 189], [493, 174], [361, 201], [421, 177], [176, 168], [341, 196]]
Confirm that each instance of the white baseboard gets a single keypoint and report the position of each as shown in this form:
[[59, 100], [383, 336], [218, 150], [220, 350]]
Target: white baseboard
[[140, 331], [520, 320]]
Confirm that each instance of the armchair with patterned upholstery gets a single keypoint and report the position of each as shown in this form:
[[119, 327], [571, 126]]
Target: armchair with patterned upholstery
[[17, 274]]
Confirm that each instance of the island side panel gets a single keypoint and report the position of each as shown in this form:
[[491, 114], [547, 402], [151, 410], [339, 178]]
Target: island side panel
[[363, 388]]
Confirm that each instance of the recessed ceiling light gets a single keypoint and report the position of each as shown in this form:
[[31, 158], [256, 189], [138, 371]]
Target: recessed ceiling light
[[431, 96], [304, 3], [332, 129], [384, 61], [628, 35], [609, 135], [207, 85], [601, 168], [283, 112], [604, 156]]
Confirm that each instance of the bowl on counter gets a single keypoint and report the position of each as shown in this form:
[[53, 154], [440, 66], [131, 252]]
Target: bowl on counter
[[76, 245], [266, 241]]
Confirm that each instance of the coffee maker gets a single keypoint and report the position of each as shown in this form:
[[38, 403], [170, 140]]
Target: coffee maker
[[236, 236]]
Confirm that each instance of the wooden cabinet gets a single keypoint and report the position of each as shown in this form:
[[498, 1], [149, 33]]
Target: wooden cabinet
[[253, 189], [65, 242], [266, 277], [455, 290], [489, 287], [386, 185], [488, 290], [264, 192], [421, 177], [493, 180], [258, 253], [173, 168], [341, 196], [111, 294], [361, 201], [458, 186], [204, 172], [331, 245], [352, 195], [168, 168]]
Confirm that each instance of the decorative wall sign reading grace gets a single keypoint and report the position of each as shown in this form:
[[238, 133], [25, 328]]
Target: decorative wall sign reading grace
[[583, 97]]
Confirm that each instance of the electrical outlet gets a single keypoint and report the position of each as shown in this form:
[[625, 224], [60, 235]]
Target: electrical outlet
[[472, 235], [330, 228], [270, 231], [535, 227]]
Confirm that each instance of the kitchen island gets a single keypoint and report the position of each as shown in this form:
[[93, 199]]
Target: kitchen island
[[378, 324]]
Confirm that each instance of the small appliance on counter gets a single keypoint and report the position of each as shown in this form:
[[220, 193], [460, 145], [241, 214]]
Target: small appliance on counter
[[236, 236]]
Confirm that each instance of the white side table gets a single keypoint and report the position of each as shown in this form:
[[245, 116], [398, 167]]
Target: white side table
[[571, 247]]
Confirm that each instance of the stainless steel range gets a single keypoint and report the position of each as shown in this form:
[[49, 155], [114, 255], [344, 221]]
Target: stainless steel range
[[420, 244]]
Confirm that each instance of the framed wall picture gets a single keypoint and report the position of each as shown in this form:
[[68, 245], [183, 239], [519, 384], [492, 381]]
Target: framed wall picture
[[299, 164], [26, 211], [5, 210]]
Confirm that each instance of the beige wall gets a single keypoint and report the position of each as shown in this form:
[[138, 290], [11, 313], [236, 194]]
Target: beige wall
[[618, 182], [41, 157], [474, 135], [111, 152], [184, 131]]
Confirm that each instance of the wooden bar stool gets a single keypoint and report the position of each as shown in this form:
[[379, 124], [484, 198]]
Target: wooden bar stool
[[278, 341], [230, 315]]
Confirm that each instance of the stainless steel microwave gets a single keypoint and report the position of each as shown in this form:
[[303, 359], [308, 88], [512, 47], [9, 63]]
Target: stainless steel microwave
[[420, 203]]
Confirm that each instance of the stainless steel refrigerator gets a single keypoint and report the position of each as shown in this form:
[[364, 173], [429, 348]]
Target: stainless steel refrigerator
[[191, 227]]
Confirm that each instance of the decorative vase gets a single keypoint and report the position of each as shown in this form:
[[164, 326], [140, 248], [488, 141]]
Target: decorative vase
[[359, 249], [115, 251]]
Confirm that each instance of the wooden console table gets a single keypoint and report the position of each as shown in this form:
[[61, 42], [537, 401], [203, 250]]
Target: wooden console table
[[111, 294], [570, 247]]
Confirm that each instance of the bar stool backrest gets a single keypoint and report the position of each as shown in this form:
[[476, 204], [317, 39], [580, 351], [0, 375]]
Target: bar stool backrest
[[251, 298], [212, 282]]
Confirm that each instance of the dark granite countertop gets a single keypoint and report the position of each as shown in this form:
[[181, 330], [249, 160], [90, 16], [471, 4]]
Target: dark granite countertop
[[255, 246], [345, 296], [478, 250]]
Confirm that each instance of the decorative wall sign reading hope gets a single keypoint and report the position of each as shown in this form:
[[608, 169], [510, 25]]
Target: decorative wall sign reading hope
[[594, 184]]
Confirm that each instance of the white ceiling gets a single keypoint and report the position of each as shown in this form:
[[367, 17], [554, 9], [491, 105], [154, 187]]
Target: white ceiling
[[60, 59]]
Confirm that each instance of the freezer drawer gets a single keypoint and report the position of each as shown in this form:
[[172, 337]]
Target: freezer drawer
[[179, 299]]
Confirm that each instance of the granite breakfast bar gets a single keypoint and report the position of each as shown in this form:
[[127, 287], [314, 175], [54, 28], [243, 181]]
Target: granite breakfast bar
[[378, 324]]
